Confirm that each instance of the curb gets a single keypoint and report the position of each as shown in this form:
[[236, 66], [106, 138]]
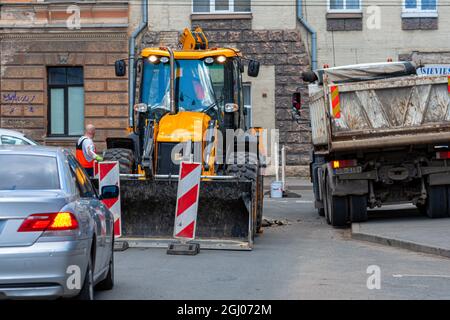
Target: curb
[[398, 243], [293, 188]]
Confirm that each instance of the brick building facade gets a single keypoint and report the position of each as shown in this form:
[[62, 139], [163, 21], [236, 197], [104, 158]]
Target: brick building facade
[[55, 79]]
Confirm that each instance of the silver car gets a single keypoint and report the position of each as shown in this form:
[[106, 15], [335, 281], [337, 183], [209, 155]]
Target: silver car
[[56, 236], [10, 137]]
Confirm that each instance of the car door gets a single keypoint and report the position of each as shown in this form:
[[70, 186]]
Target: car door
[[97, 213]]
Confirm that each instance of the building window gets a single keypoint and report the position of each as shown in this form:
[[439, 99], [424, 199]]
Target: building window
[[422, 8], [66, 101], [221, 6], [344, 5]]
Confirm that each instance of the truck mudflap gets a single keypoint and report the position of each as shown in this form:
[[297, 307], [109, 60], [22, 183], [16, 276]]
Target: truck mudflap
[[225, 219]]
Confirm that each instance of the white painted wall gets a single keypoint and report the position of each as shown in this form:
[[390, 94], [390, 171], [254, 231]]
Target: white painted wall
[[271, 15], [267, 15], [372, 45], [263, 97]]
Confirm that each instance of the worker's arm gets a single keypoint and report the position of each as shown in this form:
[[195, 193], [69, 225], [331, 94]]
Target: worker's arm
[[92, 154]]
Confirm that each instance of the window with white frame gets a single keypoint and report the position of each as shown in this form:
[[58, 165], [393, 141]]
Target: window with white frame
[[221, 6], [344, 5], [420, 7]]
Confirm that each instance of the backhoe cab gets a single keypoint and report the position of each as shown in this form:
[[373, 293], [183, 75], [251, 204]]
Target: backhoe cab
[[185, 101]]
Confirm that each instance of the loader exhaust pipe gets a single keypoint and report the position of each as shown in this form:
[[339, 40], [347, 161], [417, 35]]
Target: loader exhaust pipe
[[172, 79]]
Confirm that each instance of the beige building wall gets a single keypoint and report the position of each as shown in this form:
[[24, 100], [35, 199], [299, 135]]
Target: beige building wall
[[267, 15], [374, 44], [263, 97], [272, 15]]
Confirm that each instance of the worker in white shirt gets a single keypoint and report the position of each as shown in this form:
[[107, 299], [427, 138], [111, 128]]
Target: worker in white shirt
[[85, 150]]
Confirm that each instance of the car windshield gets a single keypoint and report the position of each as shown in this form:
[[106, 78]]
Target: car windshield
[[33, 142], [28, 172], [199, 87]]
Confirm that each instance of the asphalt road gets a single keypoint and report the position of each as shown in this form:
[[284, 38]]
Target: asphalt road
[[305, 259]]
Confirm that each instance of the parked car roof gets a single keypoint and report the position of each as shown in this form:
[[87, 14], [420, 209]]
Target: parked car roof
[[11, 132], [31, 150], [17, 134]]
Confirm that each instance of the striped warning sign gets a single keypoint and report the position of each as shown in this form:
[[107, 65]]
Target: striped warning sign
[[187, 200], [335, 102], [109, 175], [95, 169]]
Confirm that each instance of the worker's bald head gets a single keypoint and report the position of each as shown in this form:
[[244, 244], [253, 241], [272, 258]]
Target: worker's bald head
[[90, 131]]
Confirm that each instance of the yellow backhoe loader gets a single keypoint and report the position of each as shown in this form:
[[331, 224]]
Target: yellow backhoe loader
[[189, 106]]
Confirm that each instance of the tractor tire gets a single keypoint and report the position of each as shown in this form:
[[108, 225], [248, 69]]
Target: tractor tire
[[259, 216], [358, 208], [437, 203], [125, 157], [246, 169], [338, 209]]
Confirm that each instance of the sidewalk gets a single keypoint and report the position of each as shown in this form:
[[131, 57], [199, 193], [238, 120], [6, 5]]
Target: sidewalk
[[292, 184], [418, 234]]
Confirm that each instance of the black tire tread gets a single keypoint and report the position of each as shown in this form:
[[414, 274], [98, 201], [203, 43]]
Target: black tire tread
[[437, 202], [125, 157], [358, 208]]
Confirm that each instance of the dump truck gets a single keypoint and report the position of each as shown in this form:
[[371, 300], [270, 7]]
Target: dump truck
[[380, 136], [187, 102]]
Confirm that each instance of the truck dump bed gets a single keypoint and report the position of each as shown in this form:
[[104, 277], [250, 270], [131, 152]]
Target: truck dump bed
[[381, 113]]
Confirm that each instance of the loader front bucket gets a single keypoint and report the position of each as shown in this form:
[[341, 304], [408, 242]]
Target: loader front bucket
[[225, 218]]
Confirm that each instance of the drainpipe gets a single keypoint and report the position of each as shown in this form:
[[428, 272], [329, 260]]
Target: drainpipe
[[310, 30], [131, 69]]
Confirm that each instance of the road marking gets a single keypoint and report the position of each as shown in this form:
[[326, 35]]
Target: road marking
[[303, 201], [420, 276]]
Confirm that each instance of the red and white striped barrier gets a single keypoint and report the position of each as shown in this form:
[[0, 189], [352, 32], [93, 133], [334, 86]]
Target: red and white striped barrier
[[187, 200], [95, 169], [109, 175]]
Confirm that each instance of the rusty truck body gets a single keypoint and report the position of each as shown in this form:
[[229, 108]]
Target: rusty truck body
[[381, 135]]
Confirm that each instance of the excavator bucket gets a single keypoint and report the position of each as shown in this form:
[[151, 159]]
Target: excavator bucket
[[225, 219]]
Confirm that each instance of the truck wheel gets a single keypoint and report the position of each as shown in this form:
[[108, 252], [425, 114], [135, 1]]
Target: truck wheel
[[125, 157], [437, 205], [318, 161], [337, 209], [321, 212], [358, 208], [325, 202]]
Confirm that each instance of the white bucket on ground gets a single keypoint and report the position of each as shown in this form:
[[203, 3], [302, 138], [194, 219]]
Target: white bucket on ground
[[276, 189]]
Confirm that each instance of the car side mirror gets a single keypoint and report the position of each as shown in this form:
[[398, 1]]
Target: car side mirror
[[253, 68], [121, 68], [109, 192]]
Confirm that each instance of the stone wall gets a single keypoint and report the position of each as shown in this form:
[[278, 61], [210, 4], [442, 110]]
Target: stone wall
[[25, 58], [283, 49]]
